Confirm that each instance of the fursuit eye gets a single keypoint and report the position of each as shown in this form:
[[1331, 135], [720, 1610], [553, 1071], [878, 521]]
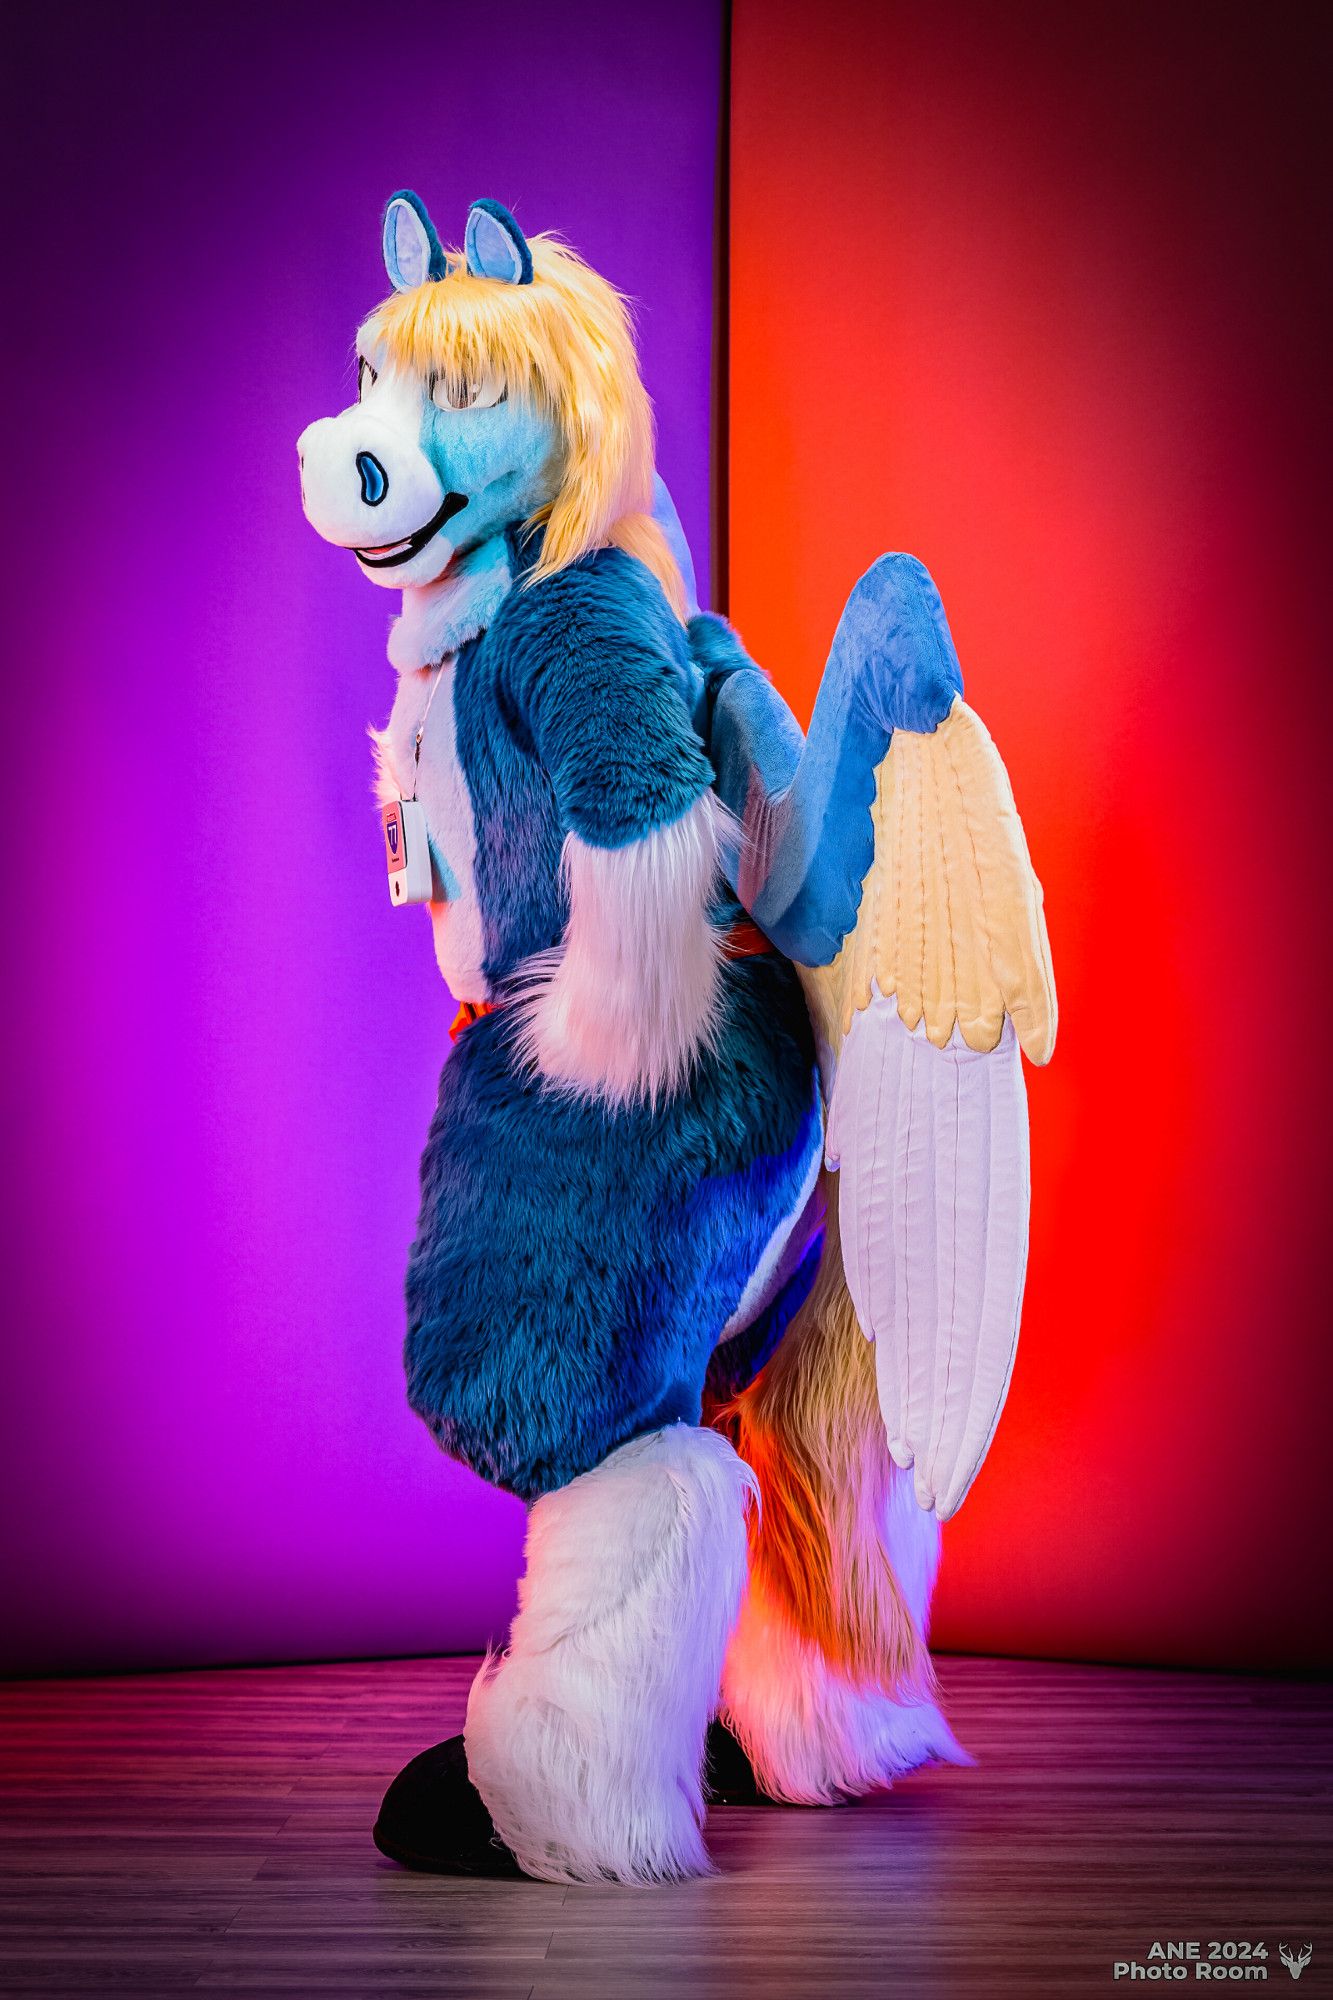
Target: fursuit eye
[[366, 378], [460, 392]]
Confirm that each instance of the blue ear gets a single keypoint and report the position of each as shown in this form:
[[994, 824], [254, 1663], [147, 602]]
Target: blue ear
[[496, 247], [412, 250], [668, 520]]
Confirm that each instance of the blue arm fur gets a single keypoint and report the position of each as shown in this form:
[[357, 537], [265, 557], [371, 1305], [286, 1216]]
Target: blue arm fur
[[598, 668], [806, 804]]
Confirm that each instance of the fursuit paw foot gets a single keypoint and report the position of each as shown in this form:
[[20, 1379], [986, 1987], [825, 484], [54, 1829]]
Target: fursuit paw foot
[[729, 1778], [433, 1819]]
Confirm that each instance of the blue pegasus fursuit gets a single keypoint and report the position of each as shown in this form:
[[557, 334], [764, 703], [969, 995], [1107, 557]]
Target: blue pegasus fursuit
[[724, 1202]]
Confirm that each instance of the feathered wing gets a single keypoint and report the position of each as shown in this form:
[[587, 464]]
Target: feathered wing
[[943, 977]]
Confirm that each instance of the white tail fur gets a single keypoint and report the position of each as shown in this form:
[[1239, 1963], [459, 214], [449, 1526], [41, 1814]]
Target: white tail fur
[[814, 1735]]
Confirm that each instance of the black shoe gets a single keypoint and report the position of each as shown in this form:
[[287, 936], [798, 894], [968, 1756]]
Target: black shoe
[[433, 1818], [729, 1778]]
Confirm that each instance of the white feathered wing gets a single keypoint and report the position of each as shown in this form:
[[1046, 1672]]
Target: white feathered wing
[[945, 975]]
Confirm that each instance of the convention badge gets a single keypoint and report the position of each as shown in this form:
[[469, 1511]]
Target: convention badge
[[407, 851], [406, 841]]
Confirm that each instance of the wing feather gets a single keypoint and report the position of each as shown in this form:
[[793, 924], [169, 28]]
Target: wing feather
[[944, 976], [951, 919], [931, 1148]]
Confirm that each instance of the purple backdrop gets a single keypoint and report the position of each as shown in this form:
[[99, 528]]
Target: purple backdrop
[[226, 1041]]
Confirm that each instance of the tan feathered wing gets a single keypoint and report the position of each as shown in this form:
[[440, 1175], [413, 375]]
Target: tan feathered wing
[[951, 918]]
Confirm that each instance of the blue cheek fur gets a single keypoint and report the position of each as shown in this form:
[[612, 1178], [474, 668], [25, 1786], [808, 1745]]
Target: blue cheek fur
[[498, 457]]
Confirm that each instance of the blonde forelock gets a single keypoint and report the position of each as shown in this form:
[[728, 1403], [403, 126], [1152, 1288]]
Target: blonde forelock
[[566, 342]]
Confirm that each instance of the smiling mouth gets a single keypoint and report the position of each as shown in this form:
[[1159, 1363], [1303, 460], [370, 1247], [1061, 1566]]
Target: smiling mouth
[[394, 553]]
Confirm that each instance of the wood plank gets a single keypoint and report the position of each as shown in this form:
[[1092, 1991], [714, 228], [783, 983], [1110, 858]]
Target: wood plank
[[197, 1833]]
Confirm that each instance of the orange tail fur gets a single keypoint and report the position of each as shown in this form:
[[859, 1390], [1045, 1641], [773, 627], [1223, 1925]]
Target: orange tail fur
[[828, 1683], [811, 1429]]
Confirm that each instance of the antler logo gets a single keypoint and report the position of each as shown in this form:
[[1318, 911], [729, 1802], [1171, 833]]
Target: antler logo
[[1295, 1962]]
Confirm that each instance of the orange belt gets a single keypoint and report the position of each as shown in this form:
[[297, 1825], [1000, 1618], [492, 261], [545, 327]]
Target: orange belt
[[470, 1011], [743, 940]]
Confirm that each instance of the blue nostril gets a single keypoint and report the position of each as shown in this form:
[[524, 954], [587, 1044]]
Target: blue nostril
[[374, 479]]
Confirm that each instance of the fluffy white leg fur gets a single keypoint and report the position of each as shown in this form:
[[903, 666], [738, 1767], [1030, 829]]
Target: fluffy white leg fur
[[586, 1739], [627, 1003], [813, 1735]]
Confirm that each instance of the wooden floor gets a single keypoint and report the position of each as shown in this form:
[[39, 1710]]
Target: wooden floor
[[209, 1832]]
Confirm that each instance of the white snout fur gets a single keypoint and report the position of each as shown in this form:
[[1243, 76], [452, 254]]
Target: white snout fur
[[586, 1739], [622, 1010], [387, 424]]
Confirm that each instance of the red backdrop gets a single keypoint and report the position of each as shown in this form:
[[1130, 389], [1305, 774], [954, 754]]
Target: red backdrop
[[1033, 295]]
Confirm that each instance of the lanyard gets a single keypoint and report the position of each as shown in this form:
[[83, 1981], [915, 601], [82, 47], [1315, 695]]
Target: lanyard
[[425, 718]]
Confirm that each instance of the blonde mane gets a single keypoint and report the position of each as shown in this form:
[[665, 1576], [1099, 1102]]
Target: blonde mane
[[565, 341]]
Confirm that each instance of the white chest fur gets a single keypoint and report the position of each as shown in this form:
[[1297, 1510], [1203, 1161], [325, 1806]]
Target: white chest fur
[[428, 695]]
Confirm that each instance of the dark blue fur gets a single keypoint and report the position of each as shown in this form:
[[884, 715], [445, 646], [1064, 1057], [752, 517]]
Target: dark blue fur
[[735, 1362], [572, 716], [573, 1266]]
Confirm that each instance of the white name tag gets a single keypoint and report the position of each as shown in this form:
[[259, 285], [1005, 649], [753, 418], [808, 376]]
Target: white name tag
[[407, 851]]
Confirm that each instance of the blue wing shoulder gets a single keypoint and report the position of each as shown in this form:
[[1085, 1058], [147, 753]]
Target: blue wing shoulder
[[806, 803]]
